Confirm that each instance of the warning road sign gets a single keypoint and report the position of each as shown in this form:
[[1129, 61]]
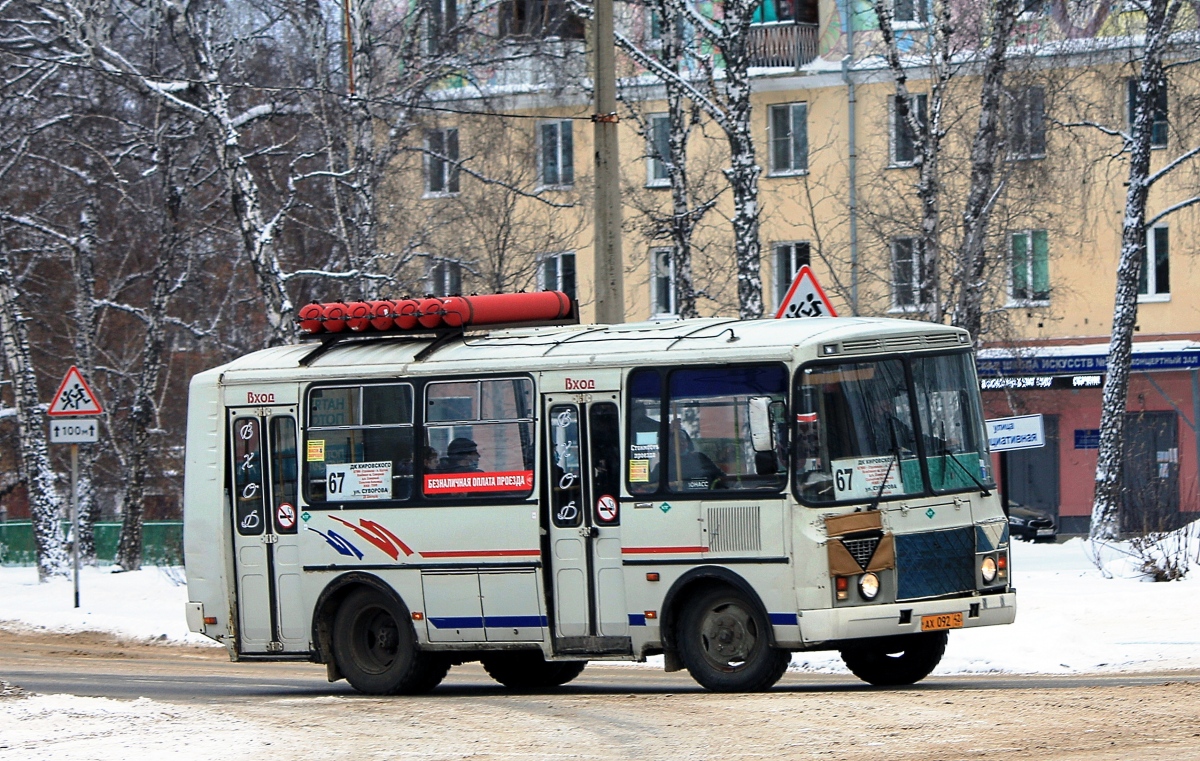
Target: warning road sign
[[805, 298], [74, 397]]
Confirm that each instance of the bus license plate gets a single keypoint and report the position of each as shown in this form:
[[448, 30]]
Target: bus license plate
[[941, 621]]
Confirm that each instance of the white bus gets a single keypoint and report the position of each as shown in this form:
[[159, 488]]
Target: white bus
[[723, 493]]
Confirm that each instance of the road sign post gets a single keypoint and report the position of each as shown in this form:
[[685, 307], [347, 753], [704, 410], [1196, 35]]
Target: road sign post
[[74, 398]]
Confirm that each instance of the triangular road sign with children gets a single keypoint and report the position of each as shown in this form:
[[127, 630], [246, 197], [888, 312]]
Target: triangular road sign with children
[[74, 397], [805, 298]]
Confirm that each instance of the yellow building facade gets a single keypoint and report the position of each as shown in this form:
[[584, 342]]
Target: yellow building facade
[[842, 198]]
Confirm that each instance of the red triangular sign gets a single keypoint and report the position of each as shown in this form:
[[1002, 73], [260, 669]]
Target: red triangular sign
[[74, 397], [805, 298]]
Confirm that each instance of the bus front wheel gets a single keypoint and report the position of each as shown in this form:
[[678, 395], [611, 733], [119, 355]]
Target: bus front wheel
[[895, 661], [376, 650], [530, 671], [724, 642]]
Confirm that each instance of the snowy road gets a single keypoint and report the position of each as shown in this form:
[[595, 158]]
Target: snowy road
[[178, 702]]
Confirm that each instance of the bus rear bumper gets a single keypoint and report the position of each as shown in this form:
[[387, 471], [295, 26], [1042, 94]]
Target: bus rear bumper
[[818, 626]]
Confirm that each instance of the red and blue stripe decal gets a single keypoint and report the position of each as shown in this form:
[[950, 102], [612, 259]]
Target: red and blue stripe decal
[[481, 622]]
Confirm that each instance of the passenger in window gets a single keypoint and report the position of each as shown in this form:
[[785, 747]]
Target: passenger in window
[[463, 456], [687, 468], [432, 460]]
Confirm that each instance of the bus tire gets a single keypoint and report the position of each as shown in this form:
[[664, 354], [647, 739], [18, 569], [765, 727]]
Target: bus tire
[[895, 661], [528, 670], [724, 642], [376, 649]]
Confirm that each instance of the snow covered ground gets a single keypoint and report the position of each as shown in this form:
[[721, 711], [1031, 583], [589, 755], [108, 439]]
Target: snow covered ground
[[1070, 619]]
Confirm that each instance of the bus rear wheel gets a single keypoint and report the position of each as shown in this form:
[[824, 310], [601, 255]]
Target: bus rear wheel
[[895, 661], [724, 642], [530, 671], [375, 647]]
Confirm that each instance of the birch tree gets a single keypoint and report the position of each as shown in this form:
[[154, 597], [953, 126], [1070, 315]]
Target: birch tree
[[44, 501], [1160, 21], [723, 94], [927, 133]]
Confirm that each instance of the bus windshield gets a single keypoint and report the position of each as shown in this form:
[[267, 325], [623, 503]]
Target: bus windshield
[[862, 428]]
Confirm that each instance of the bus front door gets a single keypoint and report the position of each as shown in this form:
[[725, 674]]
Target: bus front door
[[583, 500], [263, 462]]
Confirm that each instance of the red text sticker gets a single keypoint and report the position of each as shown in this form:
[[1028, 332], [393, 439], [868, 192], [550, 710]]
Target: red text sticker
[[478, 483]]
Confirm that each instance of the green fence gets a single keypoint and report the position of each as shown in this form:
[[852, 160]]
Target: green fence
[[162, 542]]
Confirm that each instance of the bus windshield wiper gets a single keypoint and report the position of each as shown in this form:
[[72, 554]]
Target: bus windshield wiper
[[983, 490], [887, 473]]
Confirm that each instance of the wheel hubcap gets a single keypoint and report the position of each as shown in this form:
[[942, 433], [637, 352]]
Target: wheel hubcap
[[728, 634], [380, 640]]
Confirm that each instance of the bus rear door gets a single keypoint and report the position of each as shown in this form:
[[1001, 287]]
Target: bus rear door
[[263, 463], [583, 500]]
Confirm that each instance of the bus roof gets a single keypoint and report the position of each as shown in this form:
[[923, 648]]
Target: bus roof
[[579, 346]]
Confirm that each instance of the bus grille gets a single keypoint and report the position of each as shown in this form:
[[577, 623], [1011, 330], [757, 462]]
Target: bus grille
[[862, 549], [900, 343], [935, 563], [733, 529]]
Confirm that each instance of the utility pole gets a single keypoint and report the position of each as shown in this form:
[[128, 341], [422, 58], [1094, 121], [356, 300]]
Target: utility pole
[[609, 263]]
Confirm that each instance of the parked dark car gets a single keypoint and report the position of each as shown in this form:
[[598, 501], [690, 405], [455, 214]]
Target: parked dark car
[[1031, 525]]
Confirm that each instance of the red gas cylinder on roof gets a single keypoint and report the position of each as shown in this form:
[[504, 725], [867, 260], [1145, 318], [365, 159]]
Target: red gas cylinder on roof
[[381, 314], [359, 313], [405, 314], [310, 318], [429, 313], [334, 314]]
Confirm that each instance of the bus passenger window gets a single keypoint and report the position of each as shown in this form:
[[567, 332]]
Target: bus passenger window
[[711, 445], [478, 438], [604, 430], [359, 443], [645, 414]]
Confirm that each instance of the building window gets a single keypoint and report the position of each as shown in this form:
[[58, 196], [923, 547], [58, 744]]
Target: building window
[[556, 272], [443, 18], [441, 161], [1158, 131], [789, 258], [445, 277], [539, 19], [904, 143], [1030, 251], [911, 11], [658, 150], [789, 138], [662, 283], [910, 287], [1156, 265], [1027, 124], [557, 154]]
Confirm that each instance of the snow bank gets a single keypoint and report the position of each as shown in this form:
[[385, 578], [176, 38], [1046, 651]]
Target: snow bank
[[1072, 619], [143, 605]]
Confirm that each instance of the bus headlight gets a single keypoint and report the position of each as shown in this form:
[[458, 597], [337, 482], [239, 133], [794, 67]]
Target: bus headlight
[[868, 586], [987, 567]]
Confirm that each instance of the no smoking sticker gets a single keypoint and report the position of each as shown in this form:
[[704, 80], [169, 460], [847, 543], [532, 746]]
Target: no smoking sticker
[[285, 516], [606, 509]]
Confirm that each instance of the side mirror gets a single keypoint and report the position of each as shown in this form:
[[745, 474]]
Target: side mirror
[[762, 432]]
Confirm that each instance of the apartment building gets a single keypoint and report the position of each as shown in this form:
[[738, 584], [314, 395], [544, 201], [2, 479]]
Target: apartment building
[[837, 191]]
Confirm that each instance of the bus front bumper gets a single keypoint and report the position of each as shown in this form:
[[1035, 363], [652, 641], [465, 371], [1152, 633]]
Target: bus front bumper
[[817, 626]]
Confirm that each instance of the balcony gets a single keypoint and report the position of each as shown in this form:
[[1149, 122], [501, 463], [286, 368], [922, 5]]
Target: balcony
[[784, 43]]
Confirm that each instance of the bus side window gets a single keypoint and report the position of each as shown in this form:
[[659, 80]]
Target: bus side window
[[283, 469], [604, 429], [645, 431], [247, 476]]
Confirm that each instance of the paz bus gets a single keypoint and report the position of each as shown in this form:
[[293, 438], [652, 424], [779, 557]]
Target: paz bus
[[421, 484]]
